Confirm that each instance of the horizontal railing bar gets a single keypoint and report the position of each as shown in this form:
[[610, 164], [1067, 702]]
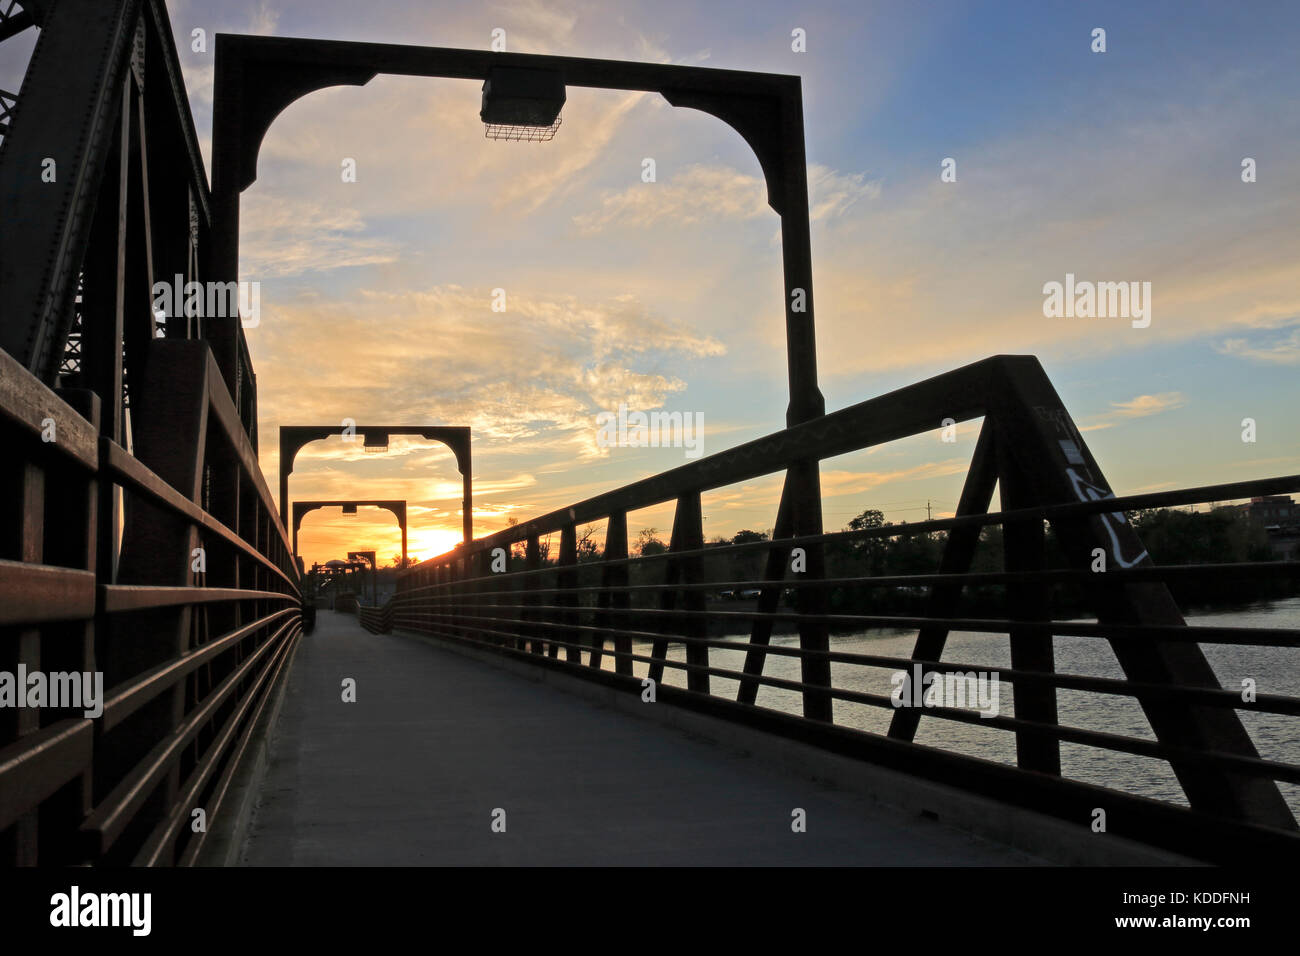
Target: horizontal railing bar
[[129, 470], [25, 401], [1105, 741], [106, 823], [36, 765], [127, 698], [1076, 509], [41, 593], [226, 415], [890, 417], [1198, 634], [162, 835], [1264, 703], [906, 411], [118, 598], [216, 799], [1052, 575]]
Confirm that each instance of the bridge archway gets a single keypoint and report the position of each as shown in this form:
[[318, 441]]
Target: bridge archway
[[257, 78], [294, 437], [303, 508]]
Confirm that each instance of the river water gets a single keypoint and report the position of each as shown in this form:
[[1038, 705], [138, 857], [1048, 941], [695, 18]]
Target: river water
[[1275, 671]]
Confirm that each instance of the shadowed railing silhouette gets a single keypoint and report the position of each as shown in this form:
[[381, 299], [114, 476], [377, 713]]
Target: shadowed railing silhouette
[[582, 618], [138, 537], [376, 620]]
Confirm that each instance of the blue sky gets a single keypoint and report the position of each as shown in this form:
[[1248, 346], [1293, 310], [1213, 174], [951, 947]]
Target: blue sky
[[1115, 166]]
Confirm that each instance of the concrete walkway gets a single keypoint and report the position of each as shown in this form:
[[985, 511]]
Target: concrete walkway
[[412, 771]]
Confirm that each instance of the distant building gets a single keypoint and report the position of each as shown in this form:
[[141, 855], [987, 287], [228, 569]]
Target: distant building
[[1274, 510], [1279, 516]]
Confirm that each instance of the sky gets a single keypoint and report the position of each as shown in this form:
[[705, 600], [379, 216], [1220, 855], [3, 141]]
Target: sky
[[1123, 165]]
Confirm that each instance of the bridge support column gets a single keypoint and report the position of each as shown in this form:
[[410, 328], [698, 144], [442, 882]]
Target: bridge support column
[[958, 553], [778, 558]]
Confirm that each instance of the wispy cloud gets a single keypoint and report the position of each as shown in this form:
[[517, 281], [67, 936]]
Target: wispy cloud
[[283, 237], [719, 194], [263, 18], [1274, 350], [832, 194], [533, 383], [1139, 406], [696, 194]]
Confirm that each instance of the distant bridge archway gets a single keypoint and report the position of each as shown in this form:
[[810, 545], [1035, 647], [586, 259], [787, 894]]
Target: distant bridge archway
[[303, 508], [294, 437]]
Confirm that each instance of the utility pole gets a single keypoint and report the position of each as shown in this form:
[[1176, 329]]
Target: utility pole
[[927, 509]]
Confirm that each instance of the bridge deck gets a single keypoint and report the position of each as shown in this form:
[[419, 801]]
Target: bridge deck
[[411, 772]]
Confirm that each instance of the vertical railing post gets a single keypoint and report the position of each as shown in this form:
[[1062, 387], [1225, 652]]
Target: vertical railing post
[[1024, 547], [455, 596], [415, 607], [533, 562], [498, 582], [778, 558], [444, 597], [26, 645], [688, 535], [613, 594], [815, 670], [518, 590], [476, 567], [696, 627], [466, 598], [77, 528], [490, 600], [437, 615], [429, 603], [566, 577]]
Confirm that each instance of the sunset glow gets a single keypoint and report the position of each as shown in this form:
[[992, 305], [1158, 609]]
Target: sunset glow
[[378, 294]]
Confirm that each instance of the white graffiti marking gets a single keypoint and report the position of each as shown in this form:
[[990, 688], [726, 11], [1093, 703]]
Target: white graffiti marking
[[1087, 491]]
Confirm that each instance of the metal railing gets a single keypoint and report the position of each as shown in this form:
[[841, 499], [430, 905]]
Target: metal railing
[[626, 621], [376, 620], [139, 544], [188, 618]]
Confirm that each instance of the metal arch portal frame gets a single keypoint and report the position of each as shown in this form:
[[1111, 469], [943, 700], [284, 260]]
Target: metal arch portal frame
[[374, 568], [303, 508], [294, 437], [258, 77]]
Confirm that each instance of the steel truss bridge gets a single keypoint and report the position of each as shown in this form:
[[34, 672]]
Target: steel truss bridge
[[139, 538]]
